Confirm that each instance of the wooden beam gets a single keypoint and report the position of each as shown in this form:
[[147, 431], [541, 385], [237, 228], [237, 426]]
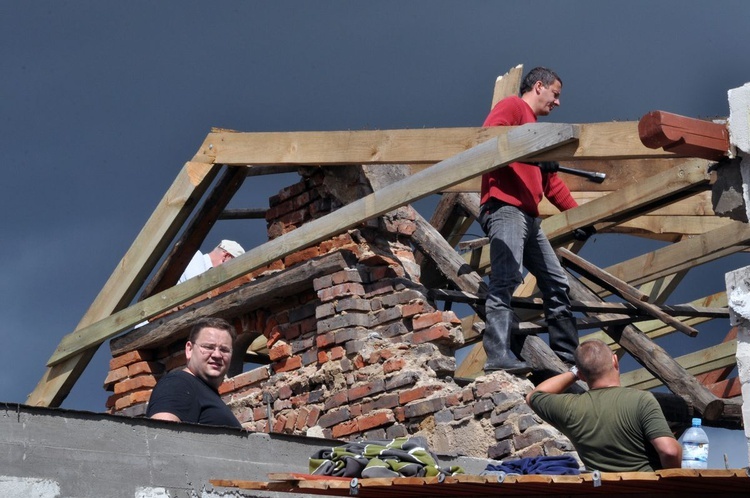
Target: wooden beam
[[683, 135], [122, 286], [719, 356], [249, 297], [196, 231], [507, 84], [622, 289], [597, 141], [514, 144]]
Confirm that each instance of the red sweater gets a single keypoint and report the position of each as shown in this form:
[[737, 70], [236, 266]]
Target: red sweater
[[519, 184]]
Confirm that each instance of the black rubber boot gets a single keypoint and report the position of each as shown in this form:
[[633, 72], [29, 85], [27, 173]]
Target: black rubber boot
[[563, 338], [496, 342]]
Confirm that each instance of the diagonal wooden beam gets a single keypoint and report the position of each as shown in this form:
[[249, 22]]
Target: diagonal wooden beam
[[160, 229], [514, 144], [622, 289], [195, 233]]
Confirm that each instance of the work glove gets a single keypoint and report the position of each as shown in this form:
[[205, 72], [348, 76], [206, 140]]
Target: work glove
[[584, 233]]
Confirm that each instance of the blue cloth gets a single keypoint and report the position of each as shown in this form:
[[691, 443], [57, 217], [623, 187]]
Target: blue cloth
[[564, 465]]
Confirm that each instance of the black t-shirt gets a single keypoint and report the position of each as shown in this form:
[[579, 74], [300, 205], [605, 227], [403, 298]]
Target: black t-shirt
[[191, 400]]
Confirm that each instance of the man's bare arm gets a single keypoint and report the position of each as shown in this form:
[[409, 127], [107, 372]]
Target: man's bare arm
[[669, 450], [554, 385], [166, 416]]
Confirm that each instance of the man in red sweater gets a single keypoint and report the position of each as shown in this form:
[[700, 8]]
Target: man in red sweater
[[510, 217]]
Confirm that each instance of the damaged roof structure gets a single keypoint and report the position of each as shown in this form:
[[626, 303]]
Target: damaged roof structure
[[345, 315]]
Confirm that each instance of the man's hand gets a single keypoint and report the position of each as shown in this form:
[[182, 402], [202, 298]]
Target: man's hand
[[584, 233]]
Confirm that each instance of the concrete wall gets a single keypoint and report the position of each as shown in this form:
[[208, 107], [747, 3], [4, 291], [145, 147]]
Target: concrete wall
[[53, 453], [59, 453]]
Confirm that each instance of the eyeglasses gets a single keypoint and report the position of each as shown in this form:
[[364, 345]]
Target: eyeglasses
[[210, 348]]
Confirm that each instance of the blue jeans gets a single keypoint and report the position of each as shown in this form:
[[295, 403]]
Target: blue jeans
[[517, 241]]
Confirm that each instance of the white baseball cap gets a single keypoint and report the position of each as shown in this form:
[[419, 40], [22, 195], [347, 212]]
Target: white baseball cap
[[232, 247]]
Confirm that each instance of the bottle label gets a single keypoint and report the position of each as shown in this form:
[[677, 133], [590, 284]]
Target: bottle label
[[694, 455]]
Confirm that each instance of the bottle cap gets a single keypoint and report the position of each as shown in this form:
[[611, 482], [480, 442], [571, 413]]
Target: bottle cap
[[696, 422]]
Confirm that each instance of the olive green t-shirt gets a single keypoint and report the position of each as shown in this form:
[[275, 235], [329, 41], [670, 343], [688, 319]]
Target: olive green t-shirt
[[611, 428]]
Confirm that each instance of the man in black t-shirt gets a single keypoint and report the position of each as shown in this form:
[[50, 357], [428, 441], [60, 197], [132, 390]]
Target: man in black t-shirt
[[192, 394]]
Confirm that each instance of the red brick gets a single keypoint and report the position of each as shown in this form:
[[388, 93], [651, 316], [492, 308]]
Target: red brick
[[279, 424], [335, 400], [434, 333], [412, 309], [123, 402], [312, 416], [226, 387], [250, 377], [128, 358], [338, 291], [373, 387], [346, 428], [301, 419], [176, 361], [337, 353], [259, 413], [280, 350], [137, 383], [416, 393], [322, 357], [291, 420], [140, 396], [426, 320], [300, 400], [488, 388], [112, 400], [288, 364], [375, 420], [145, 367], [325, 340], [116, 376], [302, 256], [393, 365]]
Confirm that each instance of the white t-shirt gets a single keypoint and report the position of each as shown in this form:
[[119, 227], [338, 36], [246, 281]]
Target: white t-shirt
[[199, 264]]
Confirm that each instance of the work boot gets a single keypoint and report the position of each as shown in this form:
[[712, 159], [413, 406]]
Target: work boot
[[563, 338], [496, 342]]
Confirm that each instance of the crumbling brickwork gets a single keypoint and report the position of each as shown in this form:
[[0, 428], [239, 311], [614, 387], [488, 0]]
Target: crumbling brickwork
[[362, 353]]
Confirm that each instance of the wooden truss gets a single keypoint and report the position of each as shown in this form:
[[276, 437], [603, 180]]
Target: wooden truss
[[650, 193]]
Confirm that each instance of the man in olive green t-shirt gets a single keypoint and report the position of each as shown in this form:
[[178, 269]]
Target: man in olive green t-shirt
[[613, 428]]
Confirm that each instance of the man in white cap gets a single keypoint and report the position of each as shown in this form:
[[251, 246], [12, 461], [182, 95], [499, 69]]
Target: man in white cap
[[200, 263]]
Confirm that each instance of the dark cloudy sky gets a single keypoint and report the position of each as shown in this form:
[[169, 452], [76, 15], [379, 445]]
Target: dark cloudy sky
[[102, 102]]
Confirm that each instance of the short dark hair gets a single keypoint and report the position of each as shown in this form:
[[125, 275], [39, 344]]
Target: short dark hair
[[546, 76], [213, 323], [593, 359]]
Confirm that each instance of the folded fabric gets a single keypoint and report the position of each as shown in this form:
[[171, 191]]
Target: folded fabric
[[550, 465], [400, 457]]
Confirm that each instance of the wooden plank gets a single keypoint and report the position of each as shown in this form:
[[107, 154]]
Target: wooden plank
[[127, 277], [680, 134], [705, 360], [258, 293], [515, 144], [597, 141], [507, 84]]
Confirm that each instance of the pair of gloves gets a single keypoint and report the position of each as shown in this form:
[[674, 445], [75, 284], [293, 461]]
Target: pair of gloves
[[582, 233]]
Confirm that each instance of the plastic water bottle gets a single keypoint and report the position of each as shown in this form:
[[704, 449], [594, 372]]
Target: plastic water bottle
[[695, 447]]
